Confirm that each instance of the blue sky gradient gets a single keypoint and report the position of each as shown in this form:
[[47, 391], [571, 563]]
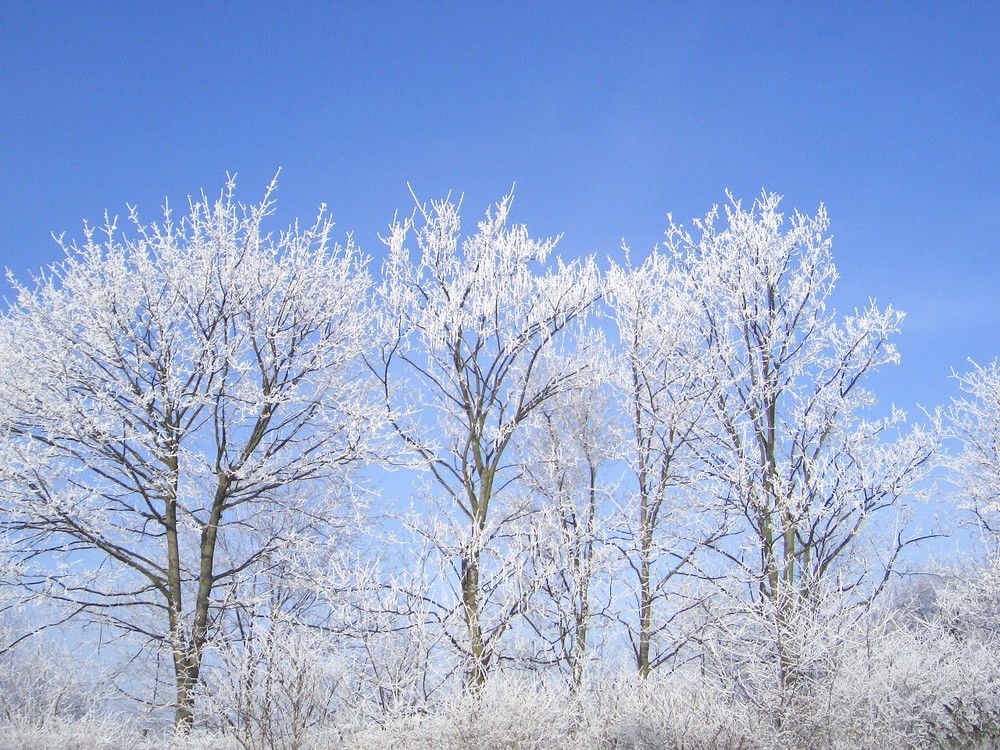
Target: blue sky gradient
[[607, 116]]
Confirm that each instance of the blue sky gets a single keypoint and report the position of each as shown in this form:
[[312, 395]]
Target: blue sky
[[607, 115]]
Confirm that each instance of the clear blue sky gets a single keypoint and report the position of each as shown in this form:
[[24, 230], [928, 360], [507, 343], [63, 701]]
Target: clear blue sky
[[607, 115]]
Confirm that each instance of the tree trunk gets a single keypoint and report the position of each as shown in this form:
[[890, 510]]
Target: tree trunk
[[645, 596], [476, 677], [186, 676]]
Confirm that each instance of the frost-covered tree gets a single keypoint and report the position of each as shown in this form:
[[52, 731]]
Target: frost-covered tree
[[179, 408], [974, 420], [565, 463], [799, 470], [473, 325], [665, 385]]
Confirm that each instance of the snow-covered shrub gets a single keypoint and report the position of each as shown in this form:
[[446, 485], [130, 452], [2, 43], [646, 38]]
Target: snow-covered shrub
[[91, 732], [274, 688]]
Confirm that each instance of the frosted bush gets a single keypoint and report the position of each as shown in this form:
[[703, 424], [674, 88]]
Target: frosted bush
[[86, 733]]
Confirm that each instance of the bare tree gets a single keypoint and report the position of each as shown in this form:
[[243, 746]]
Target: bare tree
[[472, 324], [178, 409]]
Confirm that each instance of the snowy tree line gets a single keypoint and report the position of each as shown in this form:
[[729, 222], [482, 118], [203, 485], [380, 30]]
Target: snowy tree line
[[481, 496]]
